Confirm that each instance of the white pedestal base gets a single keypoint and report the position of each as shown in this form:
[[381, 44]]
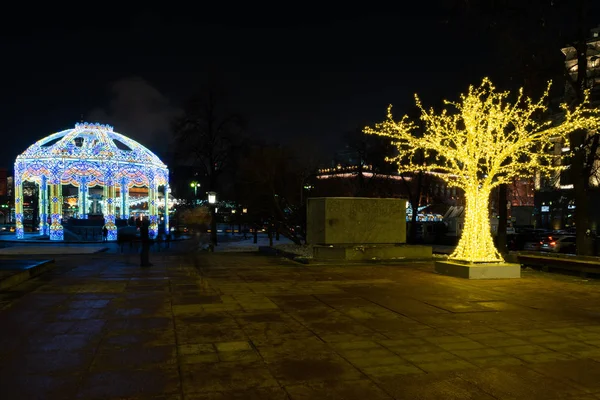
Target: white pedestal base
[[478, 270]]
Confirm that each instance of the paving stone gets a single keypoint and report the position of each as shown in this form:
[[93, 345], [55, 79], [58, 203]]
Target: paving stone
[[260, 393], [130, 383], [347, 390], [495, 361], [224, 376], [438, 340], [528, 333], [583, 374], [441, 385], [185, 309], [489, 336], [415, 349], [196, 348], [467, 345], [565, 331], [511, 342], [526, 349], [569, 347], [475, 353], [472, 330], [107, 330], [402, 368], [548, 339], [518, 382], [17, 385], [199, 358], [240, 356], [351, 337], [591, 328], [312, 367], [584, 336], [445, 365], [429, 357], [544, 357], [121, 339], [134, 358], [403, 342], [233, 346], [50, 362], [367, 344], [371, 357], [67, 342]]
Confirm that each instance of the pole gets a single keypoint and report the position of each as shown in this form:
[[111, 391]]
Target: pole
[[213, 225]]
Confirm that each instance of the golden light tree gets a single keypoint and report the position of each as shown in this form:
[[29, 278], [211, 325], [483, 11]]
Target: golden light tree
[[479, 142]]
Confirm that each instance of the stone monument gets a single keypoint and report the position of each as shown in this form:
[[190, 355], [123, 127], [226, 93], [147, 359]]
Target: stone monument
[[359, 229]]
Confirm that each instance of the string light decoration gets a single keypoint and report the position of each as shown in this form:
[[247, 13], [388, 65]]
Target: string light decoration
[[478, 143], [89, 155]]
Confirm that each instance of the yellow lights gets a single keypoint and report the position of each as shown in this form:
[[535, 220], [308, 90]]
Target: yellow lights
[[339, 168], [479, 142]]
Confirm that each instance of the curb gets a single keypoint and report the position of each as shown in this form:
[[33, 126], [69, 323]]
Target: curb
[[101, 250], [276, 252], [24, 275]]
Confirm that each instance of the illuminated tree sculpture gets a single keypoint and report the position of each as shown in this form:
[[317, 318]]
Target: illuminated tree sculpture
[[484, 140]]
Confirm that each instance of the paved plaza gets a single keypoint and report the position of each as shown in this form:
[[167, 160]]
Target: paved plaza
[[246, 326]]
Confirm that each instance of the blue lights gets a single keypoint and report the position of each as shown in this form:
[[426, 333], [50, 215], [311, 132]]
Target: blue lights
[[89, 155]]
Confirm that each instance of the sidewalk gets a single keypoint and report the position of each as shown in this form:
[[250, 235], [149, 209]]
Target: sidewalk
[[245, 326]]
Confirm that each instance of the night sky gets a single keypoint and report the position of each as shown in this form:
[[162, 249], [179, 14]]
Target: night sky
[[311, 74]]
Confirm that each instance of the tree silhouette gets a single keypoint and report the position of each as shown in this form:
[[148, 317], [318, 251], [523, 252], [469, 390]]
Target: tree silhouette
[[487, 141], [205, 134]]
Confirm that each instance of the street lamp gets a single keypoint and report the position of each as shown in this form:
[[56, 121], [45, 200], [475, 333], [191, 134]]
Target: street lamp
[[195, 185], [212, 200], [212, 197]]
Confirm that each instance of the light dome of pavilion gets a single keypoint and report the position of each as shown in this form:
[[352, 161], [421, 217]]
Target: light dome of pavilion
[[92, 144]]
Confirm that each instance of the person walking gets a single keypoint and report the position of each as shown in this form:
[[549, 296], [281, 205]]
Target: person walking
[[105, 234], [145, 237]]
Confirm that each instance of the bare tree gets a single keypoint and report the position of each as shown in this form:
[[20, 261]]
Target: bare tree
[[584, 143], [204, 134]]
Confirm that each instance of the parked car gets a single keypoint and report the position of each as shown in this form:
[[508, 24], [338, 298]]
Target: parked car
[[561, 244], [533, 243]]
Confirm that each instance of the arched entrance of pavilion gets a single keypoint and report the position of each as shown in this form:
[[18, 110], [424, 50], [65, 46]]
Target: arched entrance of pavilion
[[89, 157]]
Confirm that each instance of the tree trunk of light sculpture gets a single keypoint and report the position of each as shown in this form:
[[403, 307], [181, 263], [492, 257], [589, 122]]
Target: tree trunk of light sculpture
[[485, 141], [476, 242]]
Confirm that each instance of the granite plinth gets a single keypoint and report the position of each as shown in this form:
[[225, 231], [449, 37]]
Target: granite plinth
[[478, 270], [372, 252], [355, 220]]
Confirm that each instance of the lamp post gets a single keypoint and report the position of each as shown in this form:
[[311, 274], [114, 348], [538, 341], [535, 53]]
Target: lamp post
[[212, 200], [195, 185]]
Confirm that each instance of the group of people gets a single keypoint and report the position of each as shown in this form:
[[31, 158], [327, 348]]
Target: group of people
[[145, 238]]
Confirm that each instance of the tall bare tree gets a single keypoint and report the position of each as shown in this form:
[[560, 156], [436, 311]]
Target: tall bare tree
[[205, 133], [584, 144]]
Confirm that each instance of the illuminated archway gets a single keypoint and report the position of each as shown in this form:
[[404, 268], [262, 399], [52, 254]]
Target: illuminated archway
[[87, 156]]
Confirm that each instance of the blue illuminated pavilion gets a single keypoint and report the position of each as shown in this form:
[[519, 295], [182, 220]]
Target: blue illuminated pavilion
[[87, 156]]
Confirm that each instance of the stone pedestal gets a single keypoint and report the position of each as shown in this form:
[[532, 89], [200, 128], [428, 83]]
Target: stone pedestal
[[372, 252], [355, 221], [478, 270]]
